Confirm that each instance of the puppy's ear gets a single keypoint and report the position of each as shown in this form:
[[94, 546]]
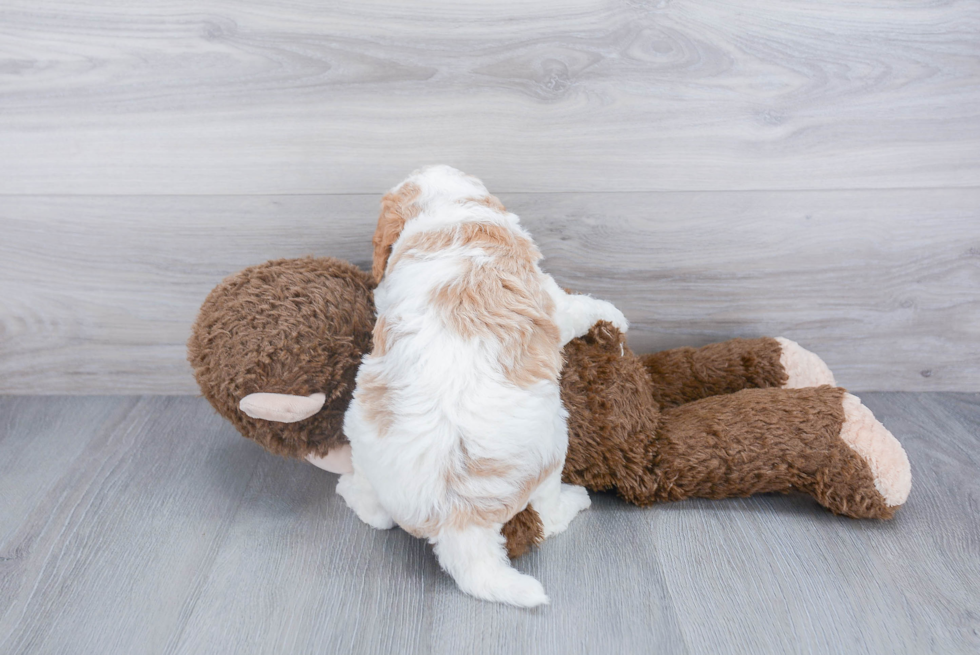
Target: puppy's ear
[[397, 208]]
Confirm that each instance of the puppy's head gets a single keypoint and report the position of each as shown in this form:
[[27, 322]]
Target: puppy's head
[[397, 208], [428, 186]]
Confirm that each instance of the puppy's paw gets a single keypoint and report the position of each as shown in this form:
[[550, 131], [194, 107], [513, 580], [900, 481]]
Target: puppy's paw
[[579, 314], [576, 498], [606, 311], [360, 497], [571, 501]]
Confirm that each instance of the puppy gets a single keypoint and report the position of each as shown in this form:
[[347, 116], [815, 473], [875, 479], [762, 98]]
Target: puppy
[[456, 422]]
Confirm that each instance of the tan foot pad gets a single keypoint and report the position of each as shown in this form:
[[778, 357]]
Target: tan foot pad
[[879, 448], [803, 368]]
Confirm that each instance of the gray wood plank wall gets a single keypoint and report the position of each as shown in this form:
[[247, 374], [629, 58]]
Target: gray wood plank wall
[[718, 170]]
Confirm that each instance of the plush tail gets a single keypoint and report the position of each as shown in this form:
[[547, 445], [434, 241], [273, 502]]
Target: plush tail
[[476, 558]]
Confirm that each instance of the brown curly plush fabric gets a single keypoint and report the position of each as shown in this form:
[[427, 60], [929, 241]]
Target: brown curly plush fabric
[[726, 428], [766, 440], [685, 374], [296, 326], [756, 440], [613, 419], [523, 532]]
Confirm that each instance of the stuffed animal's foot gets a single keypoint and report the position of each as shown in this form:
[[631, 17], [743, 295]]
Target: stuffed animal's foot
[[338, 460], [359, 495], [803, 368], [879, 448]]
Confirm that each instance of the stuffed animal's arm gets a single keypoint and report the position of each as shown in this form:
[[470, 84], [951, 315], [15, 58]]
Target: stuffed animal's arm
[[683, 375], [576, 314]]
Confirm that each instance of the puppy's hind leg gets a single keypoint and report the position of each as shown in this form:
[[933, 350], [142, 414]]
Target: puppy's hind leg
[[360, 496], [476, 558], [558, 503]]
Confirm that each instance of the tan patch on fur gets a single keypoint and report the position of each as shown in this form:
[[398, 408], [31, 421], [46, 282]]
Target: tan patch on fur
[[501, 299], [494, 239], [514, 312], [485, 467], [802, 367], [491, 202], [879, 448], [481, 467], [397, 208], [380, 337], [373, 392], [475, 514], [481, 512]]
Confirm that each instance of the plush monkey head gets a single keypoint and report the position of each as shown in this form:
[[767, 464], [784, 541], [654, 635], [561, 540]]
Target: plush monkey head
[[291, 326]]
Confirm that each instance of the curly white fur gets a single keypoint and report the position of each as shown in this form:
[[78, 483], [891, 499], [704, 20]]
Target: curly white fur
[[456, 422]]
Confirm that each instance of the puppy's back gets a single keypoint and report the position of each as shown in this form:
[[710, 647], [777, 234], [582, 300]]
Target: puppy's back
[[462, 381]]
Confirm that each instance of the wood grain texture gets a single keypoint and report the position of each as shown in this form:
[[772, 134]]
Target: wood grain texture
[[870, 581], [97, 294], [148, 525], [185, 97], [127, 530]]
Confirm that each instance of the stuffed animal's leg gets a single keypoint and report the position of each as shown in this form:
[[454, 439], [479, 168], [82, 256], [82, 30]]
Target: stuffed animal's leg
[[821, 441], [683, 375]]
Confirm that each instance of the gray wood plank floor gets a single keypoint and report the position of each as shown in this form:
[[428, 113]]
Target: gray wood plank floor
[[147, 525]]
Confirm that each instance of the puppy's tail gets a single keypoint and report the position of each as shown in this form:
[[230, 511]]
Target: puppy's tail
[[476, 558]]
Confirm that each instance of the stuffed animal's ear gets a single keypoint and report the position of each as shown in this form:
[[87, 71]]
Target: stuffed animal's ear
[[397, 208], [281, 407]]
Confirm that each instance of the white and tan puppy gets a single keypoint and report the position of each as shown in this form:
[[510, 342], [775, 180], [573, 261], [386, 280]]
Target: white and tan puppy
[[456, 422]]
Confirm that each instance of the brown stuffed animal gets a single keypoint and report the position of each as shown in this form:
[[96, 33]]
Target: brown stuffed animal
[[714, 422]]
